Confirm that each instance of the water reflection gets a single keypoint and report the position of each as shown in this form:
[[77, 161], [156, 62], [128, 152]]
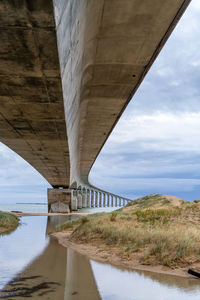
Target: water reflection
[[22, 246], [60, 273], [80, 281], [118, 284], [54, 221]]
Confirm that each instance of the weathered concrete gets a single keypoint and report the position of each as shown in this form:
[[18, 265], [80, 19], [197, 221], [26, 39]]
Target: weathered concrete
[[105, 48], [59, 200], [32, 121], [74, 201]]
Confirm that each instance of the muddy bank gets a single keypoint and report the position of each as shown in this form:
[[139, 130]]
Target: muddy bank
[[157, 233], [96, 253], [23, 214]]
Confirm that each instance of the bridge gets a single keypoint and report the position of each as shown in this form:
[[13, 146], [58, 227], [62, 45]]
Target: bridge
[[68, 69]]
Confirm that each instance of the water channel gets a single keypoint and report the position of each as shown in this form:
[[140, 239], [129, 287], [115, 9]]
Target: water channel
[[34, 265]]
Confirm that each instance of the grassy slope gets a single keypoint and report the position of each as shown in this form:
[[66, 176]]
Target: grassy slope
[[8, 222], [153, 230]]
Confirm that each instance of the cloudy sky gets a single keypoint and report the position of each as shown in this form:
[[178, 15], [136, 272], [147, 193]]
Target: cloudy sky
[[155, 147]]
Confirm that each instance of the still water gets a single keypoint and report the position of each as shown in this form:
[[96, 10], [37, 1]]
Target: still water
[[34, 265]]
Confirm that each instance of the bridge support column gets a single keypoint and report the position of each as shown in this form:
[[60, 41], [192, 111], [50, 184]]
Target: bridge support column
[[96, 199], [59, 200], [108, 200], [74, 201], [104, 199], [80, 199], [100, 199], [112, 200], [88, 198], [92, 199], [116, 198], [84, 200]]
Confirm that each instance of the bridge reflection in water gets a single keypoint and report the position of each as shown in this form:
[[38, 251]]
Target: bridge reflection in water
[[60, 273]]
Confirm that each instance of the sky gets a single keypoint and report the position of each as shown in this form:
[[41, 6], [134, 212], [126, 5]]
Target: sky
[[155, 147]]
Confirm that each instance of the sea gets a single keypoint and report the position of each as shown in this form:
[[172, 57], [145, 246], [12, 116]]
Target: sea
[[24, 207]]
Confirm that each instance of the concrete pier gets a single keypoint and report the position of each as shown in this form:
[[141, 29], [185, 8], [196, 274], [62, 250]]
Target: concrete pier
[[88, 198], [84, 199], [59, 200], [79, 199], [74, 201], [104, 200], [92, 199]]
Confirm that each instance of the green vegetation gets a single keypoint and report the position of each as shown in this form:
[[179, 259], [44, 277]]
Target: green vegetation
[[8, 222], [157, 215], [113, 216], [168, 233], [146, 200]]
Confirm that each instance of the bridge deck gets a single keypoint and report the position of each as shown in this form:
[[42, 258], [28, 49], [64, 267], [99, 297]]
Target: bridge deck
[[105, 49], [32, 121]]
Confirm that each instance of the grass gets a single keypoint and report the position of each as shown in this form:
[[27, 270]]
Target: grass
[[146, 200], [8, 222], [164, 234]]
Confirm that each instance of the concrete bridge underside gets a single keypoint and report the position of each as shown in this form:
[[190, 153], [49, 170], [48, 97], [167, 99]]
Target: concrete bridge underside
[[68, 69]]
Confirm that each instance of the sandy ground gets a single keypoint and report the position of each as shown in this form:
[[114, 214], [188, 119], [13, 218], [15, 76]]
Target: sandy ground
[[96, 253]]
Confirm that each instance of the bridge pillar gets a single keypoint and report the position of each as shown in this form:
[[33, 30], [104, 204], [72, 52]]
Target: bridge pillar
[[112, 200], [104, 199], [100, 199], [79, 199], [74, 204], [96, 199], [84, 200], [59, 200], [92, 199], [88, 198], [108, 200], [116, 204]]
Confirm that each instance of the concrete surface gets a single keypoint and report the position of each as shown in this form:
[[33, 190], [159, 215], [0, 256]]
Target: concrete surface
[[105, 48]]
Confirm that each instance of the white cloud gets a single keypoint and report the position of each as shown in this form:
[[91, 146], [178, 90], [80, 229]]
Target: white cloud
[[161, 131], [144, 148], [15, 171]]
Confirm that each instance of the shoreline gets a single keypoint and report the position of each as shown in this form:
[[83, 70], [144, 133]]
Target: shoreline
[[30, 214], [95, 253]]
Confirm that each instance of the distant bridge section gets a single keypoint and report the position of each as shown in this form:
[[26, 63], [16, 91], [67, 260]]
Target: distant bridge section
[[68, 70]]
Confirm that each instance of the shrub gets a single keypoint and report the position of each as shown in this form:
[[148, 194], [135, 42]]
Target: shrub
[[152, 215], [113, 216], [84, 220]]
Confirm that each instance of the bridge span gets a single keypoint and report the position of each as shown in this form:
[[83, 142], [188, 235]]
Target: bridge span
[[68, 69]]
